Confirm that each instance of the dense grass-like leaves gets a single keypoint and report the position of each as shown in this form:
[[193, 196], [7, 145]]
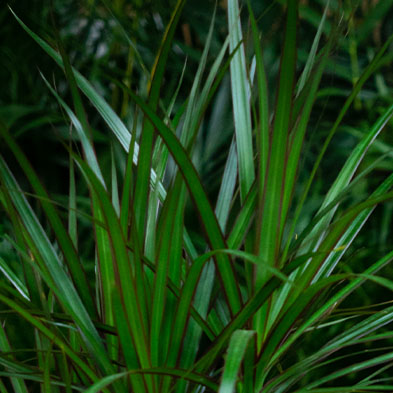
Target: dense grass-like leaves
[[196, 246]]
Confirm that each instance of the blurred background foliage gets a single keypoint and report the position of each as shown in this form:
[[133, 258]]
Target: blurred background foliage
[[109, 40], [117, 40]]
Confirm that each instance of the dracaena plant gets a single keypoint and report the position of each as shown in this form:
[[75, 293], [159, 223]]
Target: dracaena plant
[[177, 307]]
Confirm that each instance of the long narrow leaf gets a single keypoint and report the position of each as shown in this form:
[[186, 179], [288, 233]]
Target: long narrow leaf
[[241, 104]]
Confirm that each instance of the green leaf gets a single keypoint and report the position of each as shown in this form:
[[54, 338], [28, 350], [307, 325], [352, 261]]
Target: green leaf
[[114, 183], [13, 279], [190, 376], [236, 350], [240, 98], [270, 226], [311, 57], [263, 139], [72, 206], [168, 264]]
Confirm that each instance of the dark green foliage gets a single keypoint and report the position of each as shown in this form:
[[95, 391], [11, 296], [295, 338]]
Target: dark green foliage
[[196, 196]]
